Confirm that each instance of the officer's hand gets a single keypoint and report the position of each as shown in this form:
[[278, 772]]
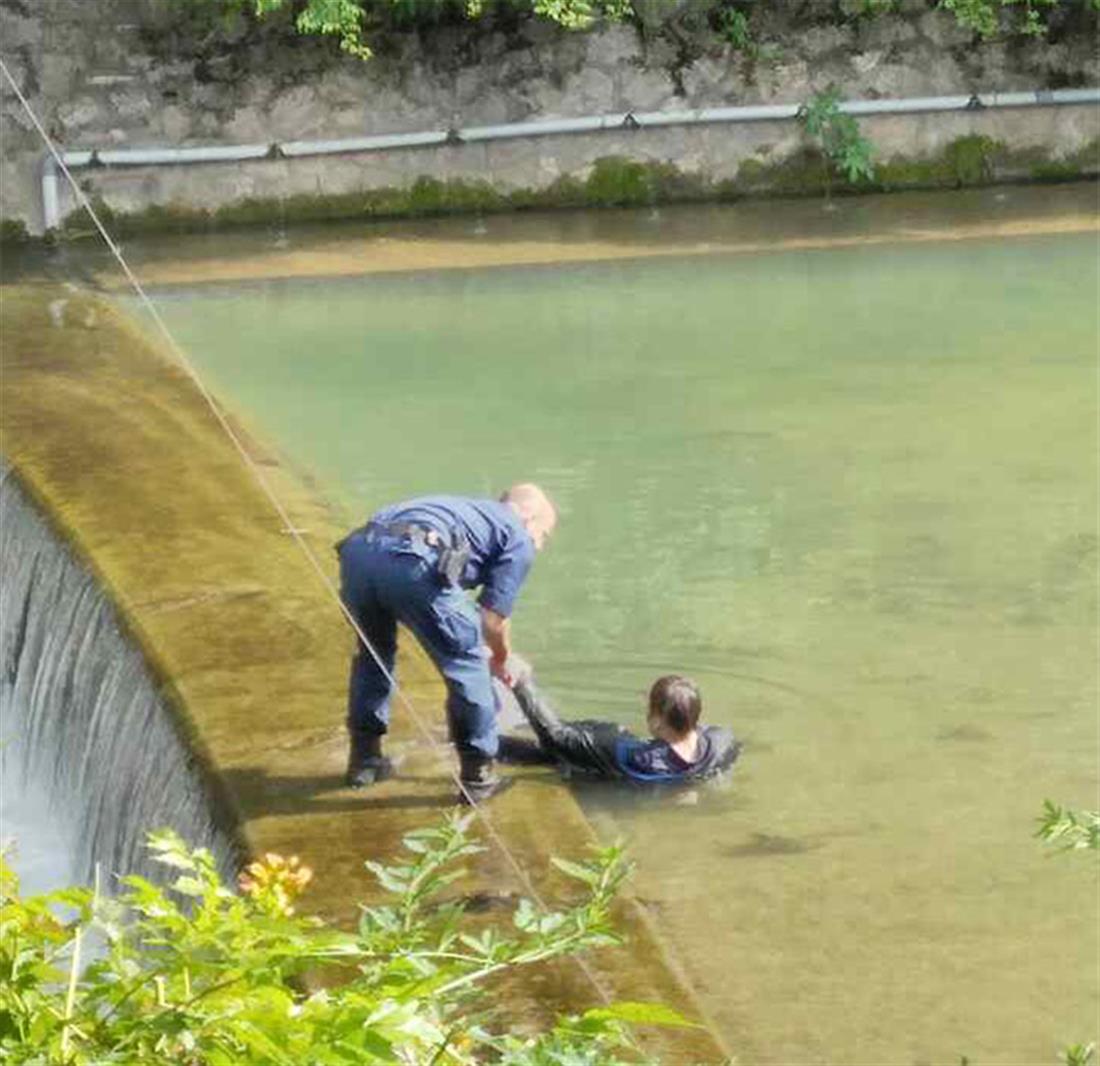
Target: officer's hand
[[499, 668], [520, 669]]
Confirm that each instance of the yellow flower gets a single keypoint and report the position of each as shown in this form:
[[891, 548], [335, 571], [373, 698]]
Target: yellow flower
[[274, 881]]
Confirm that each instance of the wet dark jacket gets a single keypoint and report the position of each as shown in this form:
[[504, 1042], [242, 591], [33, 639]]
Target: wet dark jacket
[[611, 750]]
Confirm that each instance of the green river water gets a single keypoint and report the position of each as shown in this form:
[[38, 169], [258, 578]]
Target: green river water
[[853, 492]]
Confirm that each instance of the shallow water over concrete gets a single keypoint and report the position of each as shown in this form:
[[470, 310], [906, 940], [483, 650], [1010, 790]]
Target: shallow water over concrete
[[850, 485]]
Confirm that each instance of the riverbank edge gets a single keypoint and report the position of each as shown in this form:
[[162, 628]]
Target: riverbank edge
[[129, 465], [613, 181]]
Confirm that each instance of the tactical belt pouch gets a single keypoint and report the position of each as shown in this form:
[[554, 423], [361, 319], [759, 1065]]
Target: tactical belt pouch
[[451, 559]]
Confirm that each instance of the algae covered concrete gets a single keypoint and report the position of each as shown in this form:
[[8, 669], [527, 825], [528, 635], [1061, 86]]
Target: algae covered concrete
[[545, 238], [124, 455]]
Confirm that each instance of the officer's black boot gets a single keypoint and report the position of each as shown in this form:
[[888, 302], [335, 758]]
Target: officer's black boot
[[366, 763], [479, 782]]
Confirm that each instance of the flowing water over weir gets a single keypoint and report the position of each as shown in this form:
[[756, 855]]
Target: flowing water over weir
[[84, 725]]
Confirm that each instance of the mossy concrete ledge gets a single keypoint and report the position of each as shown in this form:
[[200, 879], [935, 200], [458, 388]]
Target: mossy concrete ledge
[[117, 445], [611, 181]]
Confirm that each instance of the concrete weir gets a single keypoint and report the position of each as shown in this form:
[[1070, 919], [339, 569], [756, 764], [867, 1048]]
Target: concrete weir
[[126, 461]]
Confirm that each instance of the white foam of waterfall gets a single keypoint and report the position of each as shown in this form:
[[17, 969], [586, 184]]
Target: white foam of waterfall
[[91, 757]]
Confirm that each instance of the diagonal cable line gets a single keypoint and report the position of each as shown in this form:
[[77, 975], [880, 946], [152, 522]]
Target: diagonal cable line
[[478, 808]]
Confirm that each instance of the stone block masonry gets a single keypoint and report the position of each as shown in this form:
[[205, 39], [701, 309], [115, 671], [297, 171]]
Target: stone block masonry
[[91, 74]]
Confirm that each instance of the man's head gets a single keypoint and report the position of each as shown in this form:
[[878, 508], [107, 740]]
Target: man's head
[[674, 707], [535, 510]]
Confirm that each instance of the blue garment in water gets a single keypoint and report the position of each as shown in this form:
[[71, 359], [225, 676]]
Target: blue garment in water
[[610, 750]]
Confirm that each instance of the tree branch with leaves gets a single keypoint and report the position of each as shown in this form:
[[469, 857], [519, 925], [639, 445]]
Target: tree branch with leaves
[[200, 974]]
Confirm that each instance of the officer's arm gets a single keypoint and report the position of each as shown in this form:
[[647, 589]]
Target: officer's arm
[[497, 631]]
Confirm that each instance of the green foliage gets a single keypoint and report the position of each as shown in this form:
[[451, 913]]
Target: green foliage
[[13, 231], [354, 22], [979, 160], [430, 196], [618, 182], [1080, 1054], [733, 28], [970, 159], [1069, 830], [572, 14], [199, 975], [205, 16], [350, 21], [984, 17], [838, 135], [342, 19], [981, 16], [621, 10]]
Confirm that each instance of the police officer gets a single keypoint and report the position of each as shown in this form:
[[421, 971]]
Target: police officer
[[411, 563]]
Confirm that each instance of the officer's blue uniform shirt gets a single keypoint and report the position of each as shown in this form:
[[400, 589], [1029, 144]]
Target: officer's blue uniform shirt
[[501, 550]]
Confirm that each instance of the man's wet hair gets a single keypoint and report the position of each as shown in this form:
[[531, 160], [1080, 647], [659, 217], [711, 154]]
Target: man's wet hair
[[676, 701]]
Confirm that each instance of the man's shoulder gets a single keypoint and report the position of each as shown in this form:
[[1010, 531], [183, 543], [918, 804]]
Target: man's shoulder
[[433, 501], [723, 747], [467, 508], [504, 520], [656, 760], [645, 759]]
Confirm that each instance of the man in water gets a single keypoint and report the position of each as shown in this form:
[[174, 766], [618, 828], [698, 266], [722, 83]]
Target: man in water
[[411, 563], [680, 750]]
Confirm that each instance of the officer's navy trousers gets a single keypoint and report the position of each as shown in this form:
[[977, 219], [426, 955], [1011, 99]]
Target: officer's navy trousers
[[386, 580]]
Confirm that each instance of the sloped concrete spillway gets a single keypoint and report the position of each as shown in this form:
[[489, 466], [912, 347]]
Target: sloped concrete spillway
[[84, 724], [240, 641]]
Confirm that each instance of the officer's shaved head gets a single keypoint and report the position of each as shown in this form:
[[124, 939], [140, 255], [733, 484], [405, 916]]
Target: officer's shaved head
[[535, 509]]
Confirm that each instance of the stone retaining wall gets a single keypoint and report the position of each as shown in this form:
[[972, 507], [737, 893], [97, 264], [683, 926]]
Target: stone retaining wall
[[91, 75]]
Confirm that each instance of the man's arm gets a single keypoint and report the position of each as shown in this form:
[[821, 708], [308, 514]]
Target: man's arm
[[501, 582], [587, 746], [497, 631]]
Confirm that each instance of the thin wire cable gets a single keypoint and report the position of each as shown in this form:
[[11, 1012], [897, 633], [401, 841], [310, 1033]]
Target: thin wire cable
[[289, 527]]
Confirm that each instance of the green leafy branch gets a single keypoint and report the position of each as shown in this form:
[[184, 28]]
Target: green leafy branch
[[353, 22], [984, 16], [201, 975], [838, 135], [342, 19], [1079, 1054], [349, 21], [1069, 830]]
